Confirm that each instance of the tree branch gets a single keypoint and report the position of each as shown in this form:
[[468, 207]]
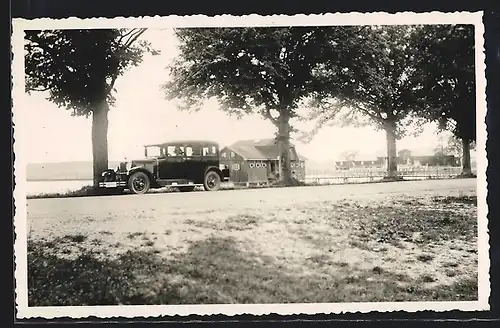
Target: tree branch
[[124, 35], [29, 89], [361, 29], [134, 36]]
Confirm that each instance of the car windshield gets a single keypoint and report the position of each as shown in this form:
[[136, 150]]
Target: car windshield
[[153, 151]]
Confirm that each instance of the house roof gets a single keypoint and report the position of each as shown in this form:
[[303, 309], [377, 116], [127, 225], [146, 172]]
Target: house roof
[[260, 149], [250, 152], [256, 142]]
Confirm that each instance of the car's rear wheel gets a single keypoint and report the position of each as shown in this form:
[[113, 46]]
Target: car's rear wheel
[[186, 189], [211, 181], [139, 183]]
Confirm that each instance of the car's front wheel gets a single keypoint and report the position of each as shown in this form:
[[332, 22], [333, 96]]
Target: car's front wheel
[[139, 183], [211, 181]]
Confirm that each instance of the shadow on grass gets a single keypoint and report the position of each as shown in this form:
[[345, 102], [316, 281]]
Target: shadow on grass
[[390, 224], [211, 271], [454, 199], [242, 222]]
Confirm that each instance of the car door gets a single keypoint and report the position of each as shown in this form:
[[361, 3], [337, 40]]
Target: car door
[[171, 167], [194, 165]]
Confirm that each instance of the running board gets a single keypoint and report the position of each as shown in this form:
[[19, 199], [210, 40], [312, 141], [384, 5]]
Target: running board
[[177, 183]]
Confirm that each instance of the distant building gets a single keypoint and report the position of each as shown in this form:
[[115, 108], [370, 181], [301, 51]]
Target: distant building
[[366, 163], [404, 157], [258, 161]]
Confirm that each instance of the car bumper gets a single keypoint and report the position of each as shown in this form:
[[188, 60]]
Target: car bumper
[[113, 184]]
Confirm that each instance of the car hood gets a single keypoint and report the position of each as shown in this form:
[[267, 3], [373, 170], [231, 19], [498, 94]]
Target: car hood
[[138, 162], [145, 160]]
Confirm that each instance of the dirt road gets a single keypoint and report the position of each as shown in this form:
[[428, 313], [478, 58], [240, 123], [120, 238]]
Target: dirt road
[[142, 207], [365, 242]]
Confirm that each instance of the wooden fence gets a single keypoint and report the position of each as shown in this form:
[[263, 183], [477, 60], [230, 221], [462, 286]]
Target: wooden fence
[[372, 175]]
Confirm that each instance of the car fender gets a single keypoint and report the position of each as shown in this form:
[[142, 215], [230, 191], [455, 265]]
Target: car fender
[[213, 168], [108, 174], [106, 171], [141, 169]]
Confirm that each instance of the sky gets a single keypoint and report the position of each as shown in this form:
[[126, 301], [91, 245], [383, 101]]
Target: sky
[[142, 115]]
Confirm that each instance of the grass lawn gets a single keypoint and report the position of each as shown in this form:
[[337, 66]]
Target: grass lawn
[[400, 249]]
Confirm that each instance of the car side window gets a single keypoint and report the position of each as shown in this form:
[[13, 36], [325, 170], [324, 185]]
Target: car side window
[[180, 151], [196, 150], [171, 151], [210, 151], [189, 151]]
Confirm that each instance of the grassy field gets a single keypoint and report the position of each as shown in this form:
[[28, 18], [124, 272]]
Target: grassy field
[[394, 247]]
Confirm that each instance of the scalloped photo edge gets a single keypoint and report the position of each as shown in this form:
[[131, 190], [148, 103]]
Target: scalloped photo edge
[[143, 311]]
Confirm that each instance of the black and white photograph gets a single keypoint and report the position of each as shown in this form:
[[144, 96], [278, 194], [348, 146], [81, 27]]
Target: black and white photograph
[[304, 164]]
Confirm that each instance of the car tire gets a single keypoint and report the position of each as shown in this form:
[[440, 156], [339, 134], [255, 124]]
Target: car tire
[[211, 182], [139, 183], [186, 189]]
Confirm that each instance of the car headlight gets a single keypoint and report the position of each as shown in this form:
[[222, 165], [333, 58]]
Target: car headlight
[[222, 167]]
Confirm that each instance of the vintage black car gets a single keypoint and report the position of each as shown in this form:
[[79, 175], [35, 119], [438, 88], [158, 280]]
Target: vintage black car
[[182, 164]]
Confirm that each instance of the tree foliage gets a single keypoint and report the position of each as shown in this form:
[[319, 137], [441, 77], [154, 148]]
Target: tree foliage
[[248, 70], [445, 83], [369, 79]]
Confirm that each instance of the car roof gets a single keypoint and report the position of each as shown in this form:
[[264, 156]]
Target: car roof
[[182, 142]]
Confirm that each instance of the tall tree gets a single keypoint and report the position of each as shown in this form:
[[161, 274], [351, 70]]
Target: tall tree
[[445, 83], [368, 83], [263, 70], [78, 69]]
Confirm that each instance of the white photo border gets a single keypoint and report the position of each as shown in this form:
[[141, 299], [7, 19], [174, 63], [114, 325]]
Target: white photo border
[[377, 18]]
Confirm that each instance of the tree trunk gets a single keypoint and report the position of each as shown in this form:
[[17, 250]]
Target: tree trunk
[[392, 165], [284, 147], [466, 162], [100, 141]]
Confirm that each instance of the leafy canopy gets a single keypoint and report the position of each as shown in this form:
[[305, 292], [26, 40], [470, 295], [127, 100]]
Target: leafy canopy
[[367, 80], [445, 83], [79, 67], [261, 70]]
